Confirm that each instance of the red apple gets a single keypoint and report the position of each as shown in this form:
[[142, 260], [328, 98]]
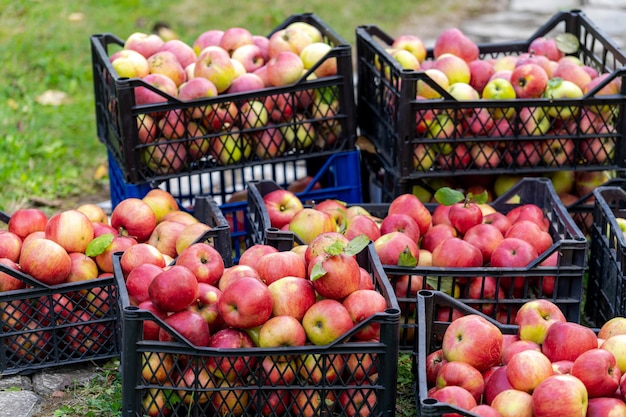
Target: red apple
[[204, 261], [119, 244], [282, 331], [138, 281], [485, 237], [173, 289], [274, 266], [517, 347], [456, 396], [161, 202], [398, 222], [474, 340], [71, 229], [8, 282], [411, 205], [461, 374], [335, 276], [246, 312], [606, 407], [527, 369], [455, 252], [165, 235], [190, 325], [140, 253], [362, 306], [292, 296], [326, 321], [463, 216], [281, 206], [535, 317], [150, 327], [570, 391], [567, 340], [235, 272], [397, 248], [231, 368], [434, 362], [496, 383], [10, 245], [513, 402], [531, 232], [598, 370], [133, 217], [46, 261], [486, 292], [26, 221]]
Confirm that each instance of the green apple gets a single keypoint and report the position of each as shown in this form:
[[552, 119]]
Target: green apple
[[500, 89], [559, 88]]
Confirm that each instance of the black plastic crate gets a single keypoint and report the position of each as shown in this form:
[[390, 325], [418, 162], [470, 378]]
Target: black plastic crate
[[606, 289], [330, 119], [208, 212], [250, 393], [431, 326], [45, 326], [390, 115], [569, 242]]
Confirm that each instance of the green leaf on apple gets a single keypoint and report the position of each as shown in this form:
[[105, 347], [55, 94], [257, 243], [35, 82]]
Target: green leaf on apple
[[444, 284], [478, 198], [336, 248], [448, 196], [356, 245], [406, 258], [317, 272], [567, 43], [99, 244]]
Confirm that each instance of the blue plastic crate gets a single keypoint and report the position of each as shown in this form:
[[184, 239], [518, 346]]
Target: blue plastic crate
[[339, 175]]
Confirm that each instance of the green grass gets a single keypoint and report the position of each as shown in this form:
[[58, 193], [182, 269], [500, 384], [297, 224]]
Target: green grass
[[51, 152]]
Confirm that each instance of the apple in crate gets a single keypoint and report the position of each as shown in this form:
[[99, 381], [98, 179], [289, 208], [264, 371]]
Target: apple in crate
[[309, 223], [71, 229], [568, 340], [26, 221], [231, 368], [46, 261], [598, 370], [140, 253], [204, 261], [292, 296], [151, 328], [363, 305], [281, 206], [571, 394], [144, 43], [535, 317], [138, 281], [326, 321], [454, 395], [7, 282], [461, 374], [282, 330], [134, 217], [248, 311], [214, 64], [174, 289], [190, 325], [513, 402], [473, 339]]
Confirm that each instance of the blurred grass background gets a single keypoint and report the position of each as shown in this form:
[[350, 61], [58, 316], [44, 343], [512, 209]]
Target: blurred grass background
[[49, 151]]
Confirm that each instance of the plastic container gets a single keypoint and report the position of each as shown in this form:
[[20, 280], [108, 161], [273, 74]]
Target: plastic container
[[397, 123], [565, 278], [321, 112], [338, 174], [45, 326], [606, 288], [250, 393], [431, 326]]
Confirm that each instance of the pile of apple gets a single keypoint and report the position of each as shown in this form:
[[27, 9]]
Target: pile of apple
[[461, 232], [224, 62], [312, 295], [76, 245], [550, 367], [544, 71]]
